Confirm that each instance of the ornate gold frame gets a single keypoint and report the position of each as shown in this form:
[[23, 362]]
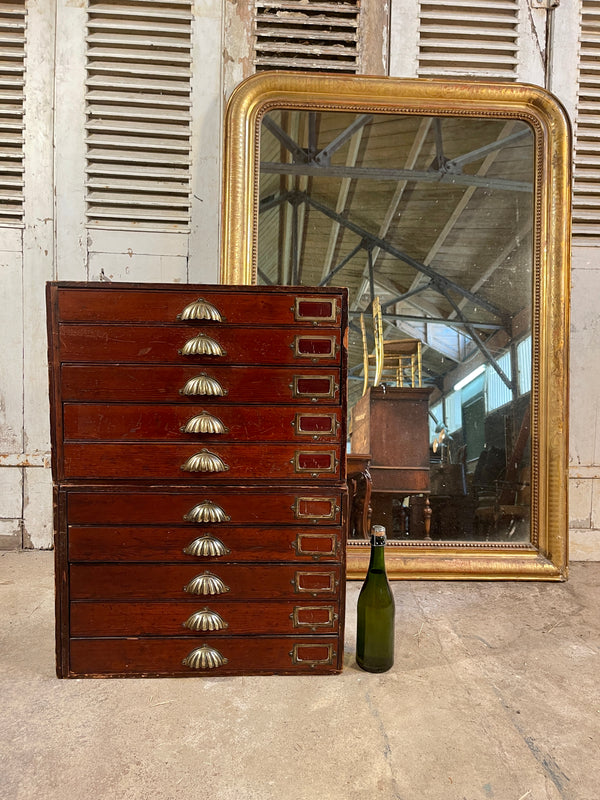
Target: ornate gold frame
[[546, 557]]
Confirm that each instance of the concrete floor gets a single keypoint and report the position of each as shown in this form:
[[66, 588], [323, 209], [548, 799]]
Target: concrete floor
[[494, 694]]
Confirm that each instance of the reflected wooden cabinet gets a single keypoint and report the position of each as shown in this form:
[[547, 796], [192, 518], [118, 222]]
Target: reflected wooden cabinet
[[199, 464], [391, 423]]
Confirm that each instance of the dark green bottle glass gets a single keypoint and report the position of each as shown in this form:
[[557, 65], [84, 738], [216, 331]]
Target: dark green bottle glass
[[376, 611]]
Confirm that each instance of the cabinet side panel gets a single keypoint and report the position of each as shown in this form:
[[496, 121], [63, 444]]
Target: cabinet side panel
[[61, 577]]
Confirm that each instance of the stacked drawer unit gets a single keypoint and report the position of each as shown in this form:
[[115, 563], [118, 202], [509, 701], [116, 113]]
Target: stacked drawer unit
[[198, 438]]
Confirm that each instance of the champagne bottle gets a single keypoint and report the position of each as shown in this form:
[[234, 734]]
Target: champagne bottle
[[376, 611]]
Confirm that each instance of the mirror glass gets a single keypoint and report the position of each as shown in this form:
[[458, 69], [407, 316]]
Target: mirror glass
[[428, 220]]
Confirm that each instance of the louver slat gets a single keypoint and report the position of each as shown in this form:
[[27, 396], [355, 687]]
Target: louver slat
[[586, 188], [467, 37], [307, 35], [138, 114], [12, 69]]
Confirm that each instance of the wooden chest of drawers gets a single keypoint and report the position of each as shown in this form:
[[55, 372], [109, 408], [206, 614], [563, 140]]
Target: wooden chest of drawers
[[198, 440]]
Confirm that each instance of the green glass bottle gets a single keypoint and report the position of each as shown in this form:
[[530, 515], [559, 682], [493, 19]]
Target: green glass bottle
[[376, 612]]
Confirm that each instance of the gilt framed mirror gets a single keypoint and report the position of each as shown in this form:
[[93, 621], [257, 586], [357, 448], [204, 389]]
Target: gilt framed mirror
[[444, 208]]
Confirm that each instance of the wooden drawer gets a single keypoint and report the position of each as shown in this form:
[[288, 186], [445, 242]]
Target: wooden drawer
[[205, 507], [222, 462], [137, 543], [237, 582], [206, 619], [106, 383], [247, 305], [153, 422], [146, 344], [260, 655]]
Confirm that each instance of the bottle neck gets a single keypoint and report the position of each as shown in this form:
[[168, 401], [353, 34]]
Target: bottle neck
[[377, 560]]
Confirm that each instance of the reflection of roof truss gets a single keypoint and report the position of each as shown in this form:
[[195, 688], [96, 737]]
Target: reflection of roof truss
[[489, 153], [438, 282], [380, 174], [369, 240], [308, 162], [449, 323]]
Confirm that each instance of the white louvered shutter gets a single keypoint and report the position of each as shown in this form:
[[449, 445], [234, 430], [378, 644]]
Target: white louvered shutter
[[12, 63], [473, 38], [138, 114], [586, 190], [307, 35]]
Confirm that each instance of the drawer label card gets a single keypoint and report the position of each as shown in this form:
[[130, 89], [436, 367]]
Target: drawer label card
[[315, 508], [315, 346], [304, 653], [315, 309], [315, 424], [315, 582], [314, 386], [313, 617], [317, 545], [314, 462]]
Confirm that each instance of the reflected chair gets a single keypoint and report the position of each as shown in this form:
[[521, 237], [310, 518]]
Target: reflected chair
[[396, 362]]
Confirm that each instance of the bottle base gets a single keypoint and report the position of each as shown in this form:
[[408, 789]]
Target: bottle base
[[374, 668]]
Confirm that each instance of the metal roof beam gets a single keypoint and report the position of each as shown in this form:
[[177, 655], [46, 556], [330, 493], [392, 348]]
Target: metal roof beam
[[456, 164], [324, 156], [298, 153], [450, 323], [440, 282], [381, 174], [481, 346]]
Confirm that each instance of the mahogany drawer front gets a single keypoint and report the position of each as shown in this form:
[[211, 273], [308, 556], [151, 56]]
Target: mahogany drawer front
[[260, 655], [213, 618], [147, 344], [152, 422], [210, 506], [106, 383], [130, 543], [222, 462], [247, 305], [237, 582]]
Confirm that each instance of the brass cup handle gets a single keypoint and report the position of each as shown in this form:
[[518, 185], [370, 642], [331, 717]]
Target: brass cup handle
[[201, 309], [202, 345], [206, 546], [204, 423], [203, 385], [204, 657], [206, 511], [205, 620], [206, 584], [204, 461]]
